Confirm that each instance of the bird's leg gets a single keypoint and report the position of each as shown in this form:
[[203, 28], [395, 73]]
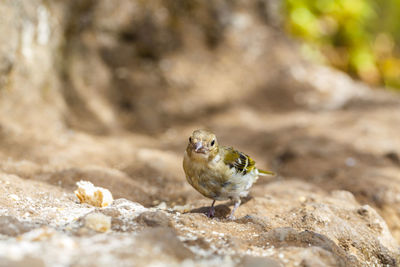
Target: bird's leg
[[211, 211], [237, 204]]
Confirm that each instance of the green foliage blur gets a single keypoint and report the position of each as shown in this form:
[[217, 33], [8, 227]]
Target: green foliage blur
[[361, 37]]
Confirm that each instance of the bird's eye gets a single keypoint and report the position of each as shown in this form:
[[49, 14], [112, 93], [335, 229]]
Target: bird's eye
[[212, 142], [190, 139]]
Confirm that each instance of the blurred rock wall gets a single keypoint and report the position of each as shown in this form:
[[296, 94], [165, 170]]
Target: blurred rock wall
[[101, 66], [30, 90]]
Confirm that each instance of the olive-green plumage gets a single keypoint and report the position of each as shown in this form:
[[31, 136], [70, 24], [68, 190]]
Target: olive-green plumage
[[218, 172]]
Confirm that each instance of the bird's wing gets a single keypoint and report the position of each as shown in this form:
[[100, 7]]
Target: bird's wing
[[238, 160]]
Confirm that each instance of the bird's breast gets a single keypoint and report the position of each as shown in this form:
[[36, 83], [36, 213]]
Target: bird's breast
[[205, 177]]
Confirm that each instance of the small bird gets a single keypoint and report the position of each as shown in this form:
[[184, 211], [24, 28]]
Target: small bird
[[218, 172]]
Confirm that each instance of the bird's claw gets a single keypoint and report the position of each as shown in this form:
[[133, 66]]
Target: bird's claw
[[211, 212]]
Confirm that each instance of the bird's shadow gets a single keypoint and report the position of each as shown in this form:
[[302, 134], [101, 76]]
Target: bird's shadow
[[221, 210]]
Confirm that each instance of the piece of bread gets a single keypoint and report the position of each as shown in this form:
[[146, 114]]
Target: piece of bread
[[93, 195]]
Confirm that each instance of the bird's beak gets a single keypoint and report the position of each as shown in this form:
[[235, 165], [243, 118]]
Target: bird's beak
[[198, 146]]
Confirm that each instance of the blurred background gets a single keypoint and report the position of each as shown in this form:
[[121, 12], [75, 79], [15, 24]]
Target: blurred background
[[144, 66], [360, 37]]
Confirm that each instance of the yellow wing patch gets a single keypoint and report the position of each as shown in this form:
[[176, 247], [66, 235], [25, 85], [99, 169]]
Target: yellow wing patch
[[238, 160]]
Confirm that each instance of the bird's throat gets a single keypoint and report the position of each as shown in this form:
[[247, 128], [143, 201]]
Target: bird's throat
[[199, 157]]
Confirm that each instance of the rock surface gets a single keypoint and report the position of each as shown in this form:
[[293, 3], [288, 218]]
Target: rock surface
[[86, 93]]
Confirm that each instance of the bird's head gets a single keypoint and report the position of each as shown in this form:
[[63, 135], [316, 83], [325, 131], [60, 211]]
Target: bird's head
[[202, 144]]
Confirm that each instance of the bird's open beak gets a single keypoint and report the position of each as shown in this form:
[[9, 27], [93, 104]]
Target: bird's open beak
[[198, 147]]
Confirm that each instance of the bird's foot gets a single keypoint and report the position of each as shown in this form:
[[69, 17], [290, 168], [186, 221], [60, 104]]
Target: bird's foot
[[211, 212], [231, 217]]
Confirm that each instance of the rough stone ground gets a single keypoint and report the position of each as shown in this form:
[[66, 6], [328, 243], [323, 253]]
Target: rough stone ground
[[86, 94]]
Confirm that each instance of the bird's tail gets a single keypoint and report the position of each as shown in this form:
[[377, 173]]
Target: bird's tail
[[265, 173]]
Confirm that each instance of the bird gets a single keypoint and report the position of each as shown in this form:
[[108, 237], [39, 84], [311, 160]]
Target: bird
[[219, 172]]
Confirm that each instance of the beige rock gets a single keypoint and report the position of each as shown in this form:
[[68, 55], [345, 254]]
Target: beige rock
[[10, 226]]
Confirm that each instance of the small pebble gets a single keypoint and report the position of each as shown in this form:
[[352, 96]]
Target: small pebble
[[98, 221]]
